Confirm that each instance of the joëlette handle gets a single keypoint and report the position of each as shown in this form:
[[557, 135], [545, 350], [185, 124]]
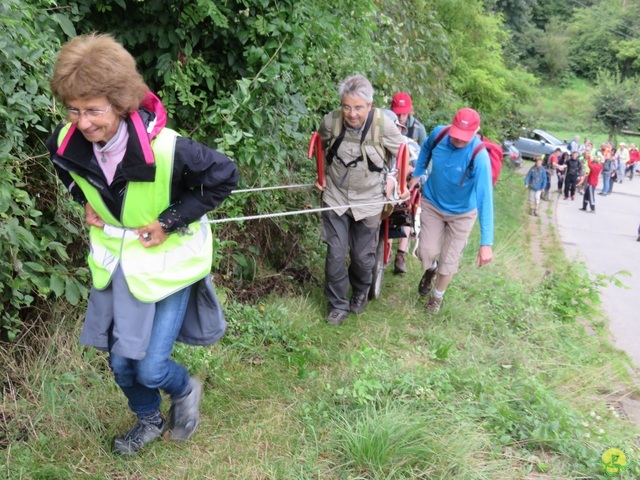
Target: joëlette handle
[[402, 162], [315, 146]]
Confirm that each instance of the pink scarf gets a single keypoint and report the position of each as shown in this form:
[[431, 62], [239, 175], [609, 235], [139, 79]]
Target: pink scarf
[[110, 156]]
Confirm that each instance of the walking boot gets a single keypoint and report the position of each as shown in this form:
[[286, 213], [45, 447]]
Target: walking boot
[[144, 431], [531, 210], [535, 212], [434, 304], [400, 265], [358, 303], [426, 282], [184, 415], [336, 317]]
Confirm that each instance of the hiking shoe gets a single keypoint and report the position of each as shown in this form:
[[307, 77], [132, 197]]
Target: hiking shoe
[[583, 209], [141, 433], [400, 265], [184, 416], [336, 317], [358, 303], [434, 304], [426, 282]]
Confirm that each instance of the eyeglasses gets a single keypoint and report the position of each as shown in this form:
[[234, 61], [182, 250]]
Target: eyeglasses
[[91, 114], [358, 109]]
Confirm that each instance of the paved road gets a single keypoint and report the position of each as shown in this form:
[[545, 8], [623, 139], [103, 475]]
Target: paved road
[[606, 242]]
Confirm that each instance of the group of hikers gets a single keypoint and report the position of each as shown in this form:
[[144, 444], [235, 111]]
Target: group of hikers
[[579, 170], [146, 191], [359, 141]]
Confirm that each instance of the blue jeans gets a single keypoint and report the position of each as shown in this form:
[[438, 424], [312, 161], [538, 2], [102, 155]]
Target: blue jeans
[[606, 182], [140, 380]]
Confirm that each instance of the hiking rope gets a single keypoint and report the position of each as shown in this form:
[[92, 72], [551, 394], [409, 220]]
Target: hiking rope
[[297, 212], [245, 190]]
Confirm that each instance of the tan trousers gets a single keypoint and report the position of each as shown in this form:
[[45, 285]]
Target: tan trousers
[[443, 235]]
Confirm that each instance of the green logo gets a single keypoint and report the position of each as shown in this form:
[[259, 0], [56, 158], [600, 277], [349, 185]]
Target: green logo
[[614, 462]]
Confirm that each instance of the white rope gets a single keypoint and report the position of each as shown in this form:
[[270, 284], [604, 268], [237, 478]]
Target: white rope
[[245, 190], [297, 212]]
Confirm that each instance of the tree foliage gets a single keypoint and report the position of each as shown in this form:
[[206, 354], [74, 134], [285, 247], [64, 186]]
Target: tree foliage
[[617, 102], [478, 73], [553, 49], [516, 13], [556, 40], [606, 37], [38, 227]]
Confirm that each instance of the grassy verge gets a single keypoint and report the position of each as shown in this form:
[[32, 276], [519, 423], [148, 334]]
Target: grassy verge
[[504, 383]]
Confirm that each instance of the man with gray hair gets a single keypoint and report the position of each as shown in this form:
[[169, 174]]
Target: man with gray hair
[[357, 143]]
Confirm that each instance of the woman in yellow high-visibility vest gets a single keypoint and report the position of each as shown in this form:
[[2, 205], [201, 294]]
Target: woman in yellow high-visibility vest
[[146, 191]]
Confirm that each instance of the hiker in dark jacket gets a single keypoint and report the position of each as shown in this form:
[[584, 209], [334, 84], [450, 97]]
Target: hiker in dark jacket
[[574, 172], [146, 191]]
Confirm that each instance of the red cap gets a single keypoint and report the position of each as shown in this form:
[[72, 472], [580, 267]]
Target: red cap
[[401, 103], [465, 124]]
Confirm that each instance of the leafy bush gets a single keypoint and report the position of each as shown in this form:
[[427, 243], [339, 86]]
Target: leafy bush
[[572, 295], [36, 223]]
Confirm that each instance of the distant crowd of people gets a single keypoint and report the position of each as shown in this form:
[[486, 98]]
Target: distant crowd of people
[[579, 170]]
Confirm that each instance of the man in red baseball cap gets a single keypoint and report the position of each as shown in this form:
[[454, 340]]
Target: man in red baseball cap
[[456, 192], [402, 106], [466, 124]]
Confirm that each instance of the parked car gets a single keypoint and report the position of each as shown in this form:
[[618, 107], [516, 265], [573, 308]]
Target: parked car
[[539, 142], [511, 154]]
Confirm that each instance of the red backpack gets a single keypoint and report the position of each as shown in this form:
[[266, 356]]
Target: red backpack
[[493, 149]]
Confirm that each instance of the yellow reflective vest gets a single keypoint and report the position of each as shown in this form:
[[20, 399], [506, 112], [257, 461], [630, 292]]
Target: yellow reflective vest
[[152, 273]]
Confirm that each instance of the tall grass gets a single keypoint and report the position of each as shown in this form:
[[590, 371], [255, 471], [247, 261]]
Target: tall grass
[[504, 383]]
